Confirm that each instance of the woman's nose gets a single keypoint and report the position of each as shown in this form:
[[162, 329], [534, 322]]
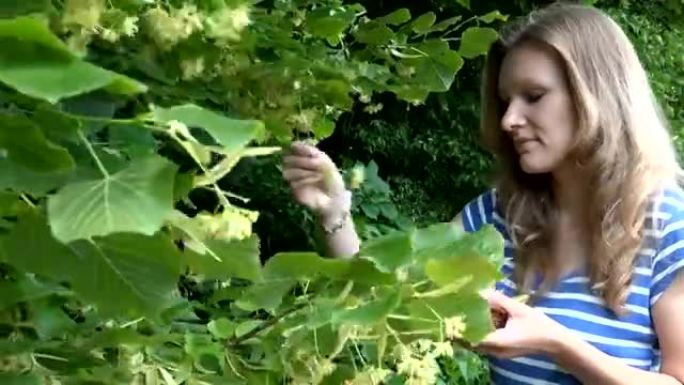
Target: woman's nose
[[512, 118]]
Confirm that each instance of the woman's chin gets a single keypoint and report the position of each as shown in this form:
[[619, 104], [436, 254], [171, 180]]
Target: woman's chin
[[532, 166]]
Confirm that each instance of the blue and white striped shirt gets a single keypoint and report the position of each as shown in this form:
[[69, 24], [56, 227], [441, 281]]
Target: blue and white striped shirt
[[574, 304]]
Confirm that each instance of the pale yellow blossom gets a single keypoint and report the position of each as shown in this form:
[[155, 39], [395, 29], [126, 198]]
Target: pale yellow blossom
[[228, 23], [192, 68], [129, 27], [168, 29], [83, 13], [454, 327]]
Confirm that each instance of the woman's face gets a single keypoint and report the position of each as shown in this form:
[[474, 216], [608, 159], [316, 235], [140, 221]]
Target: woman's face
[[539, 115]]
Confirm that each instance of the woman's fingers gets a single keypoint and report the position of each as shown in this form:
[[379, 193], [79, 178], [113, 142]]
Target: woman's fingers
[[304, 149], [499, 300], [306, 163], [296, 174], [305, 181]]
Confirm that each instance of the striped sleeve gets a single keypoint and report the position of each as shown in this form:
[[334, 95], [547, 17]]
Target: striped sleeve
[[669, 257], [479, 211]]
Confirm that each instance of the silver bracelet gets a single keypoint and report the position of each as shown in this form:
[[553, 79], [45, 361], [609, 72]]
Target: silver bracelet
[[337, 225], [345, 200]]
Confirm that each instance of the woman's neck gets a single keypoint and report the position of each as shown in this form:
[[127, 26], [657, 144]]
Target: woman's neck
[[571, 245], [571, 192]]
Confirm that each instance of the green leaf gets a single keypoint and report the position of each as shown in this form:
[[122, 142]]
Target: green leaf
[[303, 265], [445, 24], [423, 22], [481, 272], [8, 378], [246, 327], [370, 313], [464, 3], [427, 314], [93, 105], [335, 93], [50, 320], [36, 63], [56, 125], [18, 178], [492, 16], [390, 251], [323, 128], [125, 274], [222, 328], [13, 8], [31, 30], [233, 134], [26, 145], [374, 33], [239, 259], [43, 75], [430, 240], [283, 270], [10, 203], [329, 23], [267, 295], [410, 92], [26, 287], [475, 41], [448, 242], [135, 140], [438, 70], [136, 199], [400, 16], [204, 351]]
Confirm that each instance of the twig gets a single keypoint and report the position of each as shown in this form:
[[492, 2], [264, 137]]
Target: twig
[[265, 325]]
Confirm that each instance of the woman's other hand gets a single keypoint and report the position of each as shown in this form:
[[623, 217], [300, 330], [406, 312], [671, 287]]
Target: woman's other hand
[[527, 330], [315, 181]]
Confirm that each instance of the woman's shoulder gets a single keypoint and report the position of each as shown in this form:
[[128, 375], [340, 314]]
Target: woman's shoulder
[[665, 228], [668, 201], [481, 210]]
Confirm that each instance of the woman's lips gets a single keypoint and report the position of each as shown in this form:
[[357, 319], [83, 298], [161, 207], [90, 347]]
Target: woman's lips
[[525, 145]]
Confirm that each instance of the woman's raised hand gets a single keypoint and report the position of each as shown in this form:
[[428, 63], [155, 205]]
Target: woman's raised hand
[[315, 181]]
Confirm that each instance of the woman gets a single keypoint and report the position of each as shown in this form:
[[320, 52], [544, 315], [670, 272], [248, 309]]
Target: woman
[[587, 201]]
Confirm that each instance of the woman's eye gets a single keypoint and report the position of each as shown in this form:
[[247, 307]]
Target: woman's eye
[[533, 98]]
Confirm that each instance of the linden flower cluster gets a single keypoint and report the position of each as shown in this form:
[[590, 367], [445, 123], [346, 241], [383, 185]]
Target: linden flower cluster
[[419, 371], [192, 68], [370, 376], [454, 327], [90, 17], [169, 28], [317, 370], [233, 223], [228, 23], [127, 27], [418, 361], [83, 13]]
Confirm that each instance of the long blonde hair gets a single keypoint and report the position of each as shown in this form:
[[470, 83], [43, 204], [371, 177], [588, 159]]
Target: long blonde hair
[[622, 144]]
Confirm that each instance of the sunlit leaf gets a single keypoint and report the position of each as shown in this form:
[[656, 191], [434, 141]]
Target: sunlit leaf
[[475, 41], [222, 328], [9, 378], [493, 16], [124, 273], [233, 134], [438, 65], [423, 22], [389, 252], [136, 199], [400, 16], [236, 259], [26, 145]]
